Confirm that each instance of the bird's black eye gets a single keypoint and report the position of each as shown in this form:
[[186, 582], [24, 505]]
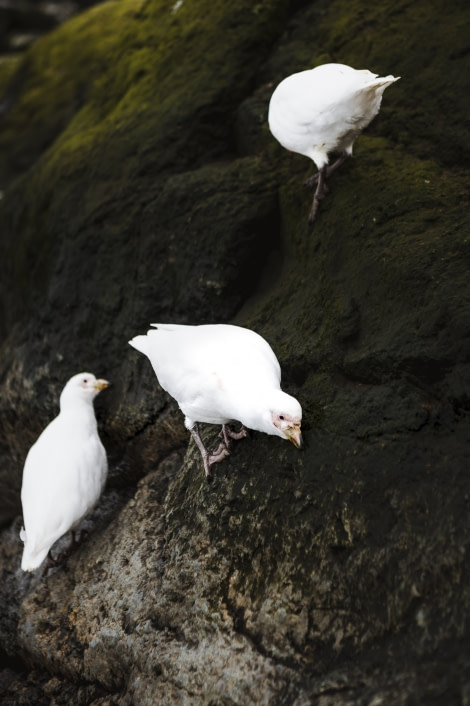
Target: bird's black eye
[[85, 380], [281, 416]]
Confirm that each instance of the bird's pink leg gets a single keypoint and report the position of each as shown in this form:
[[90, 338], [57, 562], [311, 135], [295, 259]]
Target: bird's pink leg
[[320, 193], [311, 181], [209, 457], [227, 434]]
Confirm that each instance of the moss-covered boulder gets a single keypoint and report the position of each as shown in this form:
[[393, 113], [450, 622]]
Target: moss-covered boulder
[[141, 184]]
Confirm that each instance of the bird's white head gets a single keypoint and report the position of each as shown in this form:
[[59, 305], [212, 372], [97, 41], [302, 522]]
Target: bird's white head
[[84, 386], [286, 418]]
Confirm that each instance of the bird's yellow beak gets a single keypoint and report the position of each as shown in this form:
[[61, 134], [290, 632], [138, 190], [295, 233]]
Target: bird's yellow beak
[[295, 436], [101, 384]]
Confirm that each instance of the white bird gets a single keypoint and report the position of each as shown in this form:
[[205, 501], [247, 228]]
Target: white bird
[[219, 373], [323, 110], [64, 473]]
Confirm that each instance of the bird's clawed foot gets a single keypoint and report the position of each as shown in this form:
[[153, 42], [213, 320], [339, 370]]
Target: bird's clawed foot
[[227, 434], [49, 563], [75, 541], [214, 457], [209, 457]]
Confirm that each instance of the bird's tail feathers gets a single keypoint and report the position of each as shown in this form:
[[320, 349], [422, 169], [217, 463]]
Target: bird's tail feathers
[[140, 343], [380, 84], [31, 559]]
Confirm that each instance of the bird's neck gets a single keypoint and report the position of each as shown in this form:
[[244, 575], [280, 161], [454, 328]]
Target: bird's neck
[[254, 411], [79, 409]]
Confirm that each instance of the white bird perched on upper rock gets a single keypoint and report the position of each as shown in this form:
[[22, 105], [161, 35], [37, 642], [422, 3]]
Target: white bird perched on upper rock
[[219, 373], [323, 110], [64, 472]]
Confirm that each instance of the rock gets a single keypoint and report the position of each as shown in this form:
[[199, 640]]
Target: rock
[[141, 183], [24, 21]]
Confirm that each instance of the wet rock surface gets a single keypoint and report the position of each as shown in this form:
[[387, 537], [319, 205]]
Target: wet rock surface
[[140, 183]]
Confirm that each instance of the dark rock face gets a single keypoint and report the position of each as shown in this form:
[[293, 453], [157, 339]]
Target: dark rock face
[[141, 184], [24, 21]]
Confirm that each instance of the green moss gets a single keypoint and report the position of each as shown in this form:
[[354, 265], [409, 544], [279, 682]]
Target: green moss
[[8, 65], [131, 66], [427, 110], [119, 96], [382, 197]]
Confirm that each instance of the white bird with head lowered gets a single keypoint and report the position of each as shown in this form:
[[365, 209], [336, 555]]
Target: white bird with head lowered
[[219, 373], [323, 110]]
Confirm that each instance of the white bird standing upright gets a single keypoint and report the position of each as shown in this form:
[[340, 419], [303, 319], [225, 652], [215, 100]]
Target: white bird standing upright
[[323, 110], [64, 472], [218, 373]]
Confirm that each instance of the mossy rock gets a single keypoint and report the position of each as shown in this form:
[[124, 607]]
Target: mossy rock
[[144, 185]]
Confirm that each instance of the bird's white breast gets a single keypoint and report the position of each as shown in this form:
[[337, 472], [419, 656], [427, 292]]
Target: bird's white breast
[[64, 474]]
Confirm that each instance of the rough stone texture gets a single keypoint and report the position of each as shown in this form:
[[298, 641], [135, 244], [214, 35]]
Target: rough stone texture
[[142, 184]]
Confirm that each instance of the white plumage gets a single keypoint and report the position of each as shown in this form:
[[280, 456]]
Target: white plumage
[[323, 110], [219, 373], [64, 473]]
